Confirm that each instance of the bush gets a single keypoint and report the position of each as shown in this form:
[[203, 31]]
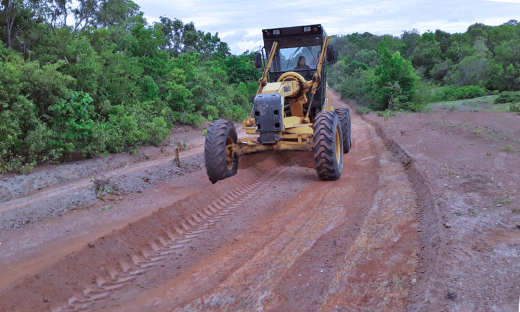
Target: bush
[[109, 89], [514, 108], [427, 93], [508, 97], [391, 83], [462, 93], [363, 110], [386, 114]]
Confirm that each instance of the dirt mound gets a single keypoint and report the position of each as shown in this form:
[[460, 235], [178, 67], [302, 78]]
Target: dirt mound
[[114, 185]]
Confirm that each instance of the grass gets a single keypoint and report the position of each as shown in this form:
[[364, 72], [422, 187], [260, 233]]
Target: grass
[[363, 110], [386, 114], [514, 108], [448, 171], [480, 104], [509, 148], [485, 103], [502, 202]]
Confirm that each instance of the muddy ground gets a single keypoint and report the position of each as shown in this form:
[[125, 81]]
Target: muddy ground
[[74, 167], [424, 218], [470, 229]]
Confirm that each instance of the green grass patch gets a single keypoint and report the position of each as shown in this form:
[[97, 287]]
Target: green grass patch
[[502, 202], [509, 148], [478, 104]]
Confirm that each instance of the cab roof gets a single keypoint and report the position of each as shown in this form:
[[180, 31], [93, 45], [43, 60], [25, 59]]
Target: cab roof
[[294, 31], [295, 36]]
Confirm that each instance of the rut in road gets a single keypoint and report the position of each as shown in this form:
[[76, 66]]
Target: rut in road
[[292, 243], [170, 244]]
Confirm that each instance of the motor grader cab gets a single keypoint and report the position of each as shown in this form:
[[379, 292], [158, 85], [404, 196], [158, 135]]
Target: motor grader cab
[[291, 111]]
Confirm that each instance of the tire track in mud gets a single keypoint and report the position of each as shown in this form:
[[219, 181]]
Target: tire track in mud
[[425, 293], [170, 242]]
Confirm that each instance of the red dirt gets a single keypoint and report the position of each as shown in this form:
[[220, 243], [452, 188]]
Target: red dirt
[[285, 242], [468, 179], [399, 231]]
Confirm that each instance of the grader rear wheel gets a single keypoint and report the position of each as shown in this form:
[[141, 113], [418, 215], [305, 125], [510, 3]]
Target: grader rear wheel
[[346, 128], [219, 159], [328, 146]]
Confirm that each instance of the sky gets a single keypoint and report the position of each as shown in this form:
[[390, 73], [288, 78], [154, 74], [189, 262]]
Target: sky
[[239, 23]]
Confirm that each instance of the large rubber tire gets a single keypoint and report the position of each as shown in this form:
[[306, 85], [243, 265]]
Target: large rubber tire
[[328, 146], [346, 129], [220, 134]]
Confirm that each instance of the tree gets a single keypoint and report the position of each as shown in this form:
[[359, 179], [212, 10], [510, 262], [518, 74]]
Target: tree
[[444, 39], [172, 33], [472, 70], [479, 69], [427, 53], [11, 9], [410, 38], [115, 12], [55, 12], [393, 81], [85, 14], [512, 77], [241, 68]]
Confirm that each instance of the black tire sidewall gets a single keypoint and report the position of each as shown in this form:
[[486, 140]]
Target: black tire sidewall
[[215, 150], [326, 164], [232, 132], [346, 127]]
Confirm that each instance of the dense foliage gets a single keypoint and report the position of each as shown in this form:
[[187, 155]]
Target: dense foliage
[[508, 97], [461, 93], [377, 71], [92, 76]]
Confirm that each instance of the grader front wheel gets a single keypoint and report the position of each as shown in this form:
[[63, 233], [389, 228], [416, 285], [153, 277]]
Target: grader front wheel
[[220, 162], [328, 146]]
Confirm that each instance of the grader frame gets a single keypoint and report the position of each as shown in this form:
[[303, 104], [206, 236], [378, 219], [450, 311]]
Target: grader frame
[[289, 113]]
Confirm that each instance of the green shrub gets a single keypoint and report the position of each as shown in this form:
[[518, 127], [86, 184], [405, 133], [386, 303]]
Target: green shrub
[[386, 113], [363, 110], [111, 88], [514, 107], [462, 93], [392, 82], [427, 93], [508, 97], [72, 121]]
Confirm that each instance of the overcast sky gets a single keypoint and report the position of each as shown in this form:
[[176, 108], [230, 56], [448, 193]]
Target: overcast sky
[[239, 23]]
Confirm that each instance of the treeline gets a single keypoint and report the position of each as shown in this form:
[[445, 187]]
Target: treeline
[[387, 72], [92, 76]]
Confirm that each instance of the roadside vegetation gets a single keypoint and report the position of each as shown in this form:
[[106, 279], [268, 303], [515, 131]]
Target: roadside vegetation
[[94, 77], [411, 71]]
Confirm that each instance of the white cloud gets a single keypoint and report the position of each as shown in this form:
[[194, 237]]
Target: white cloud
[[239, 23]]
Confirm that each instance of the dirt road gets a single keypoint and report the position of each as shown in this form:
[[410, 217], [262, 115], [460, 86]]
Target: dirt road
[[272, 238]]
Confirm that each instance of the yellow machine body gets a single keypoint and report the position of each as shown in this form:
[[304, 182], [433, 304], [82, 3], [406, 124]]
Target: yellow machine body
[[291, 110], [297, 131]]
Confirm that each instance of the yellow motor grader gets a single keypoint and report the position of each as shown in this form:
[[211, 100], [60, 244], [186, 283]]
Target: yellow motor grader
[[291, 110]]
